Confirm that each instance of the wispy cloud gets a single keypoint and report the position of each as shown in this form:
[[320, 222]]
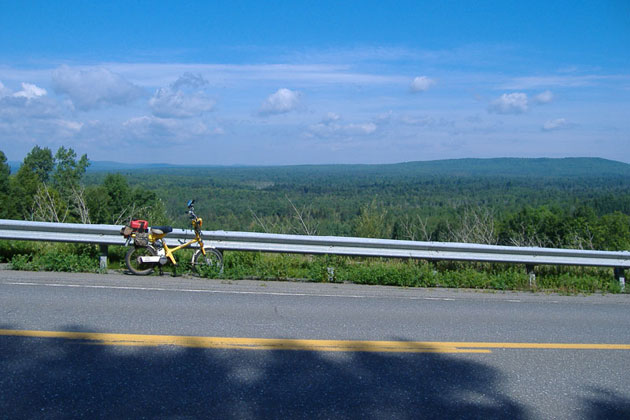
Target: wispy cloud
[[331, 127], [557, 124], [565, 81], [160, 74], [29, 114], [544, 97], [167, 103], [31, 102], [189, 80], [149, 129], [94, 87], [182, 99], [30, 91]]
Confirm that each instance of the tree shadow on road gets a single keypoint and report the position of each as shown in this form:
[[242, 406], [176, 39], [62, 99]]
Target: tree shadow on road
[[605, 404], [58, 378]]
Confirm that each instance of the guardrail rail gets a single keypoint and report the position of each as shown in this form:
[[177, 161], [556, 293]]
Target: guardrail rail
[[105, 235]]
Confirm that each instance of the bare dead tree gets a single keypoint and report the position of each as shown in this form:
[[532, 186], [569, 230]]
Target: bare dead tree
[[271, 224], [415, 229], [527, 239], [475, 225], [48, 209], [259, 221], [305, 219], [125, 214], [78, 197], [582, 241]]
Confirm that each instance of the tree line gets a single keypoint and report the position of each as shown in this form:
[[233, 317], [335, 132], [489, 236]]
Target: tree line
[[408, 201], [50, 187]]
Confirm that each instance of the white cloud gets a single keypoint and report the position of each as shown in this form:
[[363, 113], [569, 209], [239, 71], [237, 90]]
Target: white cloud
[[66, 128], [425, 121], [509, 103], [421, 84], [556, 124], [365, 128], [554, 81], [30, 91], [518, 102], [94, 87], [167, 103], [29, 103], [13, 108], [330, 127], [331, 117], [544, 97], [182, 99], [189, 80], [281, 102]]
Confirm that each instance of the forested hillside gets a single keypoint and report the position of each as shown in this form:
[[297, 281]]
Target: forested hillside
[[547, 202], [573, 202]]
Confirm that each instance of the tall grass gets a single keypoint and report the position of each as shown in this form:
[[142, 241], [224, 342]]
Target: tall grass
[[416, 273], [38, 256]]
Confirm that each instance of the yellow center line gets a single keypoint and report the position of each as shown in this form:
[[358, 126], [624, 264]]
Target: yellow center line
[[298, 344]]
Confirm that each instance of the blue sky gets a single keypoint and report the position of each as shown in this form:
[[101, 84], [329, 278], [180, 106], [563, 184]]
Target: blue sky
[[294, 82]]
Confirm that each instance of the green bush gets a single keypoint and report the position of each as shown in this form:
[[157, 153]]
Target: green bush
[[22, 262], [58, 257], [8, 249]]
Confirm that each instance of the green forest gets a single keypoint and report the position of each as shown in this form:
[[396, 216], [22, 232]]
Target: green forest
[[580, 203], [563, 203]]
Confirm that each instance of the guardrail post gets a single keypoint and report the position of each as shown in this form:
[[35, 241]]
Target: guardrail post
[[331, 274], [619, 275], [532, 275], [103, 256]]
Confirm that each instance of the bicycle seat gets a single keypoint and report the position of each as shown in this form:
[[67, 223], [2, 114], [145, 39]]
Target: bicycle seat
[[161, 230]]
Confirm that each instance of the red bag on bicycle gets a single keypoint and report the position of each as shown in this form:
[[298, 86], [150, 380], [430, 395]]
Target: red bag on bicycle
[[139, 225]]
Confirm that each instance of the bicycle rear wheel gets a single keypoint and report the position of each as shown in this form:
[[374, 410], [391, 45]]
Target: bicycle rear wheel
[[209, 265], [132, 259]]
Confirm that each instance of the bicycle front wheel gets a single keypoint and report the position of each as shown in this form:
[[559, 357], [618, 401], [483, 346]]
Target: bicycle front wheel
[[132, 259], [209, 265]]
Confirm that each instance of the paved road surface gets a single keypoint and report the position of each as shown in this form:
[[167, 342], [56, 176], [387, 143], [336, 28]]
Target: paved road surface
[[446, 354]]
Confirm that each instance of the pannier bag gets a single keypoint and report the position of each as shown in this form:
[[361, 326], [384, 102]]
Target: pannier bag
[[126, 231], [136, 225], [139, 225], [141, 239]]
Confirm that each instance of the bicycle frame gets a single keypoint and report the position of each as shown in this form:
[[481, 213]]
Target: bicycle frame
[[168, 252]]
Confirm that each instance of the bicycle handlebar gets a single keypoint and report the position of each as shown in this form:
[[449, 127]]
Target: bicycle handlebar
[[191, 209]]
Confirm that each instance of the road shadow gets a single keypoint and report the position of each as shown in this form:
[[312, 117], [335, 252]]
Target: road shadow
[[606, 404], [59, 378]]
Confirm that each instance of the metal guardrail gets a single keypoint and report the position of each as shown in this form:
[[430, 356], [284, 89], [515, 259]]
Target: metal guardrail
[[105, 235]]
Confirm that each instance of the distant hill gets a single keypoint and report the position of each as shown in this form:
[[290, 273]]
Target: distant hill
[[564, 167], [109, 166], [504, 167]]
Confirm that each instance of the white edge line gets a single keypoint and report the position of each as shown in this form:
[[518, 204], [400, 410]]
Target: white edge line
[[162, 289]]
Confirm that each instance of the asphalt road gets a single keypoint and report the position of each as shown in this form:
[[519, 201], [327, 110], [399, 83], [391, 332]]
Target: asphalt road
[[466, 354]]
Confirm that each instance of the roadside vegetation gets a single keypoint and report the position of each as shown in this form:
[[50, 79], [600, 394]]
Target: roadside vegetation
[[565, 203]]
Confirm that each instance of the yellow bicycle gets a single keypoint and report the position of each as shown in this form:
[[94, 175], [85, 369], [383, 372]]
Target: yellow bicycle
[[150, 249]]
